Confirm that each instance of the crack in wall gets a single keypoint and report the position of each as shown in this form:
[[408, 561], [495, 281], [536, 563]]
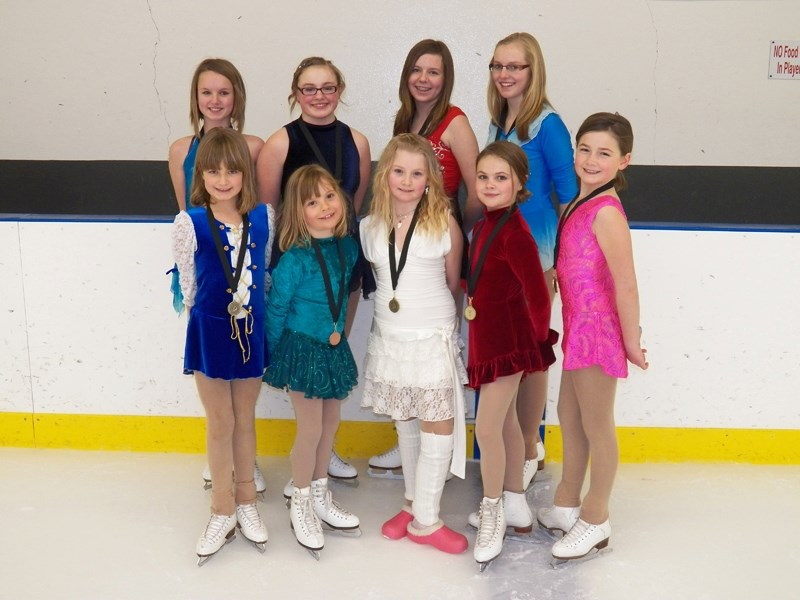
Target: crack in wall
[[155, 72], [655, 84]]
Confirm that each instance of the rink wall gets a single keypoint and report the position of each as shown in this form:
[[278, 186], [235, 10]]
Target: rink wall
[[92, 351], [94, 92]]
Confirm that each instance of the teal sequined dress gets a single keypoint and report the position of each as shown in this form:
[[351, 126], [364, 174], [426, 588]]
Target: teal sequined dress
[[298, 323]]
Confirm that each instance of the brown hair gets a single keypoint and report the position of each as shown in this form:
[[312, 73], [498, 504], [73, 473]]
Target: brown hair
[[404, 116], [224, 147], [517, 162], [313, 61], [434, 206], [620, 129], [534, 98], [306, 182], [226, 69]]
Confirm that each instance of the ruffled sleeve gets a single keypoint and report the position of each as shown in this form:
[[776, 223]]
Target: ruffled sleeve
[[184, 246], [270, 243]]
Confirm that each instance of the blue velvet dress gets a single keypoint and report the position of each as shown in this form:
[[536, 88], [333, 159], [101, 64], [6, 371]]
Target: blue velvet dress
[[210, 345], [299, 323]]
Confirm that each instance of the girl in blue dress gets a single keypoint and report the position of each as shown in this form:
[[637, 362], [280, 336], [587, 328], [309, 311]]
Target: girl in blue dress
[[222, 248], [306, 314]]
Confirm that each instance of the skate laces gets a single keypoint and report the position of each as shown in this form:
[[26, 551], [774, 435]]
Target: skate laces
[[216, 527], [309, 518], [488, 526], [337, 461], [578, 533], [249, 514]]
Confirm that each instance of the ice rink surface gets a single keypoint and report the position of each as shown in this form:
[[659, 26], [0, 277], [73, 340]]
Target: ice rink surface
[[114, 525]]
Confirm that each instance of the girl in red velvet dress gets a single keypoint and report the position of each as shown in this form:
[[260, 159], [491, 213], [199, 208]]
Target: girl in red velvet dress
[[508, 306]]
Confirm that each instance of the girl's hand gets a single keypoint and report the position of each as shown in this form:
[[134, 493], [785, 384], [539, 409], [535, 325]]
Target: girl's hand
[[638, 357]]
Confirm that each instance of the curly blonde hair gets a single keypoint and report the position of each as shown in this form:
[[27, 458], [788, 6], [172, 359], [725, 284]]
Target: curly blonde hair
[[434, 206]]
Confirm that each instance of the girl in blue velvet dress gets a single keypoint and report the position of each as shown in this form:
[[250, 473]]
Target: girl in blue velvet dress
[[311, 359], [222, 247]]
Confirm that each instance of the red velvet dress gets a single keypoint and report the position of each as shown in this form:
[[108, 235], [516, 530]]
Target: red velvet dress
[[511, 331]]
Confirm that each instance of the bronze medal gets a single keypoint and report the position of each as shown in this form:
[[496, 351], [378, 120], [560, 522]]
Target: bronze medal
[[234, 308], [394, 305], [335, 338], [469, 312]]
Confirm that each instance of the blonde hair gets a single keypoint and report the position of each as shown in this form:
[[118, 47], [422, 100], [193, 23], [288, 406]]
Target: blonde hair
[[534, 97], [226, 69], [313, 61], [306, 182], [434, 206], [224, 147]]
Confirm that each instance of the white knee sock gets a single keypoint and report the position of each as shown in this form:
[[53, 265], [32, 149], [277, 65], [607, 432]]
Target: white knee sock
[[408, 440], [434, 461]]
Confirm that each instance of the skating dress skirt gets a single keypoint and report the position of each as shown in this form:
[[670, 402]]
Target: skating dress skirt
[[511, 331], [592, 331], [213, 346], [299, 324]]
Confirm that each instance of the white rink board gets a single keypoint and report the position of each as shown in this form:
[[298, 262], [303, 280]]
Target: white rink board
[[98, 326]]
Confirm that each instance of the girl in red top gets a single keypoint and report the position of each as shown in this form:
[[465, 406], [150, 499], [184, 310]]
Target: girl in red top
[[508, 306]]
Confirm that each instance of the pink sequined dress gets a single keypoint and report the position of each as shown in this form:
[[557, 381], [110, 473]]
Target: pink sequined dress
[[592, 331]]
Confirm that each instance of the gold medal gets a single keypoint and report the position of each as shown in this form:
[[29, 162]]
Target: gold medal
[[469, 311], [234, 308], [335, 338], [394, 305]]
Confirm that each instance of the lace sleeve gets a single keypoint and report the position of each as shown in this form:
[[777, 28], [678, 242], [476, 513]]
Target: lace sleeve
[[184, 245], [268, 250]]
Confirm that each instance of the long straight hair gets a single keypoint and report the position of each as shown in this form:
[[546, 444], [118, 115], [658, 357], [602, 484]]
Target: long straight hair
[[224, 147], [405, 116], [226, 69], [535, 96], [306, 182]]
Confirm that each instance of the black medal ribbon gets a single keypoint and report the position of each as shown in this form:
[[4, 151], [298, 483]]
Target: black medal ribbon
[[335, 305], [474, 270], [337, 170], [502, 129], [571, 208], [232, 278], [394, 268]]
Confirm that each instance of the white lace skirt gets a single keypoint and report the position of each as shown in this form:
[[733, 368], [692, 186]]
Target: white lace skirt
[[408, 373]]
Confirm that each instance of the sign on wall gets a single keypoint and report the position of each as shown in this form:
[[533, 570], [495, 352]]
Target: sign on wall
[[784, 60]]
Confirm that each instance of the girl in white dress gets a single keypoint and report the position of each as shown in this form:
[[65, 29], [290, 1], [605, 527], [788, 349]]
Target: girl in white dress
[[413, 369]]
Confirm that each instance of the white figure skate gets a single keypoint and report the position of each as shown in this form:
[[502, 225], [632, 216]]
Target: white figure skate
[[330, 513], [491, 531], [220, 530], [386, 465], [584, 541], [342, 471], [305, 524], [252, 527], [518, 515], [557, 519]]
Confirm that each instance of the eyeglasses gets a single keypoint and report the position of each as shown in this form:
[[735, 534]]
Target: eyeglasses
[[498, 68], [310, 90]]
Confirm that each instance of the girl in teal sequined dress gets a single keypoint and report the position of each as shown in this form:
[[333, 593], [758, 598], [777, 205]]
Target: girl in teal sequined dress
[[311, 359]]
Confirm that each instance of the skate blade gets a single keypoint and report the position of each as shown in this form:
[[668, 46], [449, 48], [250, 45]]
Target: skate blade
[[352, 532], [379, 473], [348, 481], [482, 566], [558, 563], [201, 560]]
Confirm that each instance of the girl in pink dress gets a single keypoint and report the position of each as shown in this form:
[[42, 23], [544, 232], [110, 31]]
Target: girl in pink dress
[[597, 281]]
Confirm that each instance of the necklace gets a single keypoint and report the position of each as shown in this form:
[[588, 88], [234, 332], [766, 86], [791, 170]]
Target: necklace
[[401, 218]]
